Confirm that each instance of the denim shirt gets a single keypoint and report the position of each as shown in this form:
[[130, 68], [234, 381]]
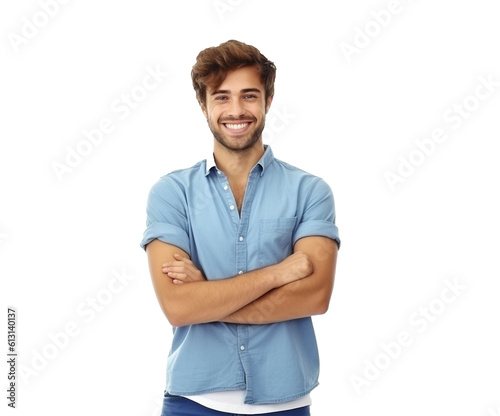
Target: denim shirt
[[194, 209]]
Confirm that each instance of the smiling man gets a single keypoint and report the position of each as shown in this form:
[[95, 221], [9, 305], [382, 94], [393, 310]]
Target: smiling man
[[242, 249]]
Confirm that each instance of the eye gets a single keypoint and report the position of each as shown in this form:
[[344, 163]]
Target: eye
[[250, 96], [221, 98]]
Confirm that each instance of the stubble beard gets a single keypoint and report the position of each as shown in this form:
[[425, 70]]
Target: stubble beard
[[244, 143]]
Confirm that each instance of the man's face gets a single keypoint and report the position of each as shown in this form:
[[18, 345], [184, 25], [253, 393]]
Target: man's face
[[236, 109]]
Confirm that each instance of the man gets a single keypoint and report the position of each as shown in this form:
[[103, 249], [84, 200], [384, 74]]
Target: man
[[242, 251]]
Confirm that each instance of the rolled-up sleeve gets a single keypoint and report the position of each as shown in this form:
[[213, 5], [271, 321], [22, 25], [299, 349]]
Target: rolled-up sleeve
[[318, 218], [166, 215]]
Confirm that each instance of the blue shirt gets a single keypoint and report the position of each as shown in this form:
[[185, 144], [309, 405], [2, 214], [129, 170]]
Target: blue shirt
[[194, 209]]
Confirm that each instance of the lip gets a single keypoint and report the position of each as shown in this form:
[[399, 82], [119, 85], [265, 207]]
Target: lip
[[246, 125]]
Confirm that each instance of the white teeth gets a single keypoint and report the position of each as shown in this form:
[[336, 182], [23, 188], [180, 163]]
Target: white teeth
[[236, 126]]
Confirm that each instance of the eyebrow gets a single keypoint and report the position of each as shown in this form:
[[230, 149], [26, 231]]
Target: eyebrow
[[244, 91]]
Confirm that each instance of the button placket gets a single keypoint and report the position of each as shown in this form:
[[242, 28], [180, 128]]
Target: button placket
[[241, 236], [231, 203]]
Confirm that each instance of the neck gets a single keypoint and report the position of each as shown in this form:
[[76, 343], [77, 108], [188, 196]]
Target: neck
[[237, 163]]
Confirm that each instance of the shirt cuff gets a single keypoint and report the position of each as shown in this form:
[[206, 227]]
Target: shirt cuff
[[317, 228], [167, 233]]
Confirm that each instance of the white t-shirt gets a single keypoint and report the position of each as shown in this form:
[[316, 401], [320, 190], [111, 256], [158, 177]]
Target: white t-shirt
[[233, 402]]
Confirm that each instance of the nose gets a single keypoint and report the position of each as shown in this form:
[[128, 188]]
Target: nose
[[235, 108]]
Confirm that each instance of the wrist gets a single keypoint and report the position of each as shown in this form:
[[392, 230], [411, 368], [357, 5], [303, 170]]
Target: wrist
[[276, 275]]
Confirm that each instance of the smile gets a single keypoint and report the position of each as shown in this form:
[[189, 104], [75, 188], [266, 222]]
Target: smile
[[237, 128]]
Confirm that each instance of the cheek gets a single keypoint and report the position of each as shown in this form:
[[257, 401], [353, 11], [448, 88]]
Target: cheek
[[261, 109], [214, 113]]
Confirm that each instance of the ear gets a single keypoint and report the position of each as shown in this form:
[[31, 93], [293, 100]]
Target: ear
[[268, 103]]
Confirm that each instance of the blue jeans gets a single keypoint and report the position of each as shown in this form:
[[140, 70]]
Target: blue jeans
[[180, 406]]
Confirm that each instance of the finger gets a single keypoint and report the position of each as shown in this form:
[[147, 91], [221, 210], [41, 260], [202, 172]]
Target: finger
[[180, 260], [174, 268], [175, 275]]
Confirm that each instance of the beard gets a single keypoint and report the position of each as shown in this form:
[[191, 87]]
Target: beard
[[243, 143]]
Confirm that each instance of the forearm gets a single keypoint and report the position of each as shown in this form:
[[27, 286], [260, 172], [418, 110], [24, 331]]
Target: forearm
[[208, 301], [292, 301]]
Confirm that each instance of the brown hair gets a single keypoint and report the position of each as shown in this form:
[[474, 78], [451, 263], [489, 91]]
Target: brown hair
[[213, 64]]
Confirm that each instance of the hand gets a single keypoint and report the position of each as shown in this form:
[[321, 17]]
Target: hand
[[182, 270], [295, 267]]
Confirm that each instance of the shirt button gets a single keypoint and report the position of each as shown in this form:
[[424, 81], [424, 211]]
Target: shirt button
[[241, 238], [219, 172], [240, 272], [242, 348], [231, 207], [226, 187]]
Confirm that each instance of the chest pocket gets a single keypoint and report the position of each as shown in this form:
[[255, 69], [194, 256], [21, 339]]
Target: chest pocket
[[275, 239]]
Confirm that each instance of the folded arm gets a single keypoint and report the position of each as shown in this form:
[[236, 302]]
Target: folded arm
[[297, 299], [202, 301]]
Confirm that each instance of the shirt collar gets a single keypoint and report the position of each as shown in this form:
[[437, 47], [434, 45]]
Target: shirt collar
[[266, 159], [210, 163]]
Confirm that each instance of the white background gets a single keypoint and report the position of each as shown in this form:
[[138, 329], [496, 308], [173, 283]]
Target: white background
[[347, 117]]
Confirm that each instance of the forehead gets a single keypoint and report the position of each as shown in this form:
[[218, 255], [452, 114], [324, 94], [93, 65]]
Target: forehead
[[240, 79]]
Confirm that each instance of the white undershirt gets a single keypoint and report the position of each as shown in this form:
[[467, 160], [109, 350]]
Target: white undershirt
[[233, 402]]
